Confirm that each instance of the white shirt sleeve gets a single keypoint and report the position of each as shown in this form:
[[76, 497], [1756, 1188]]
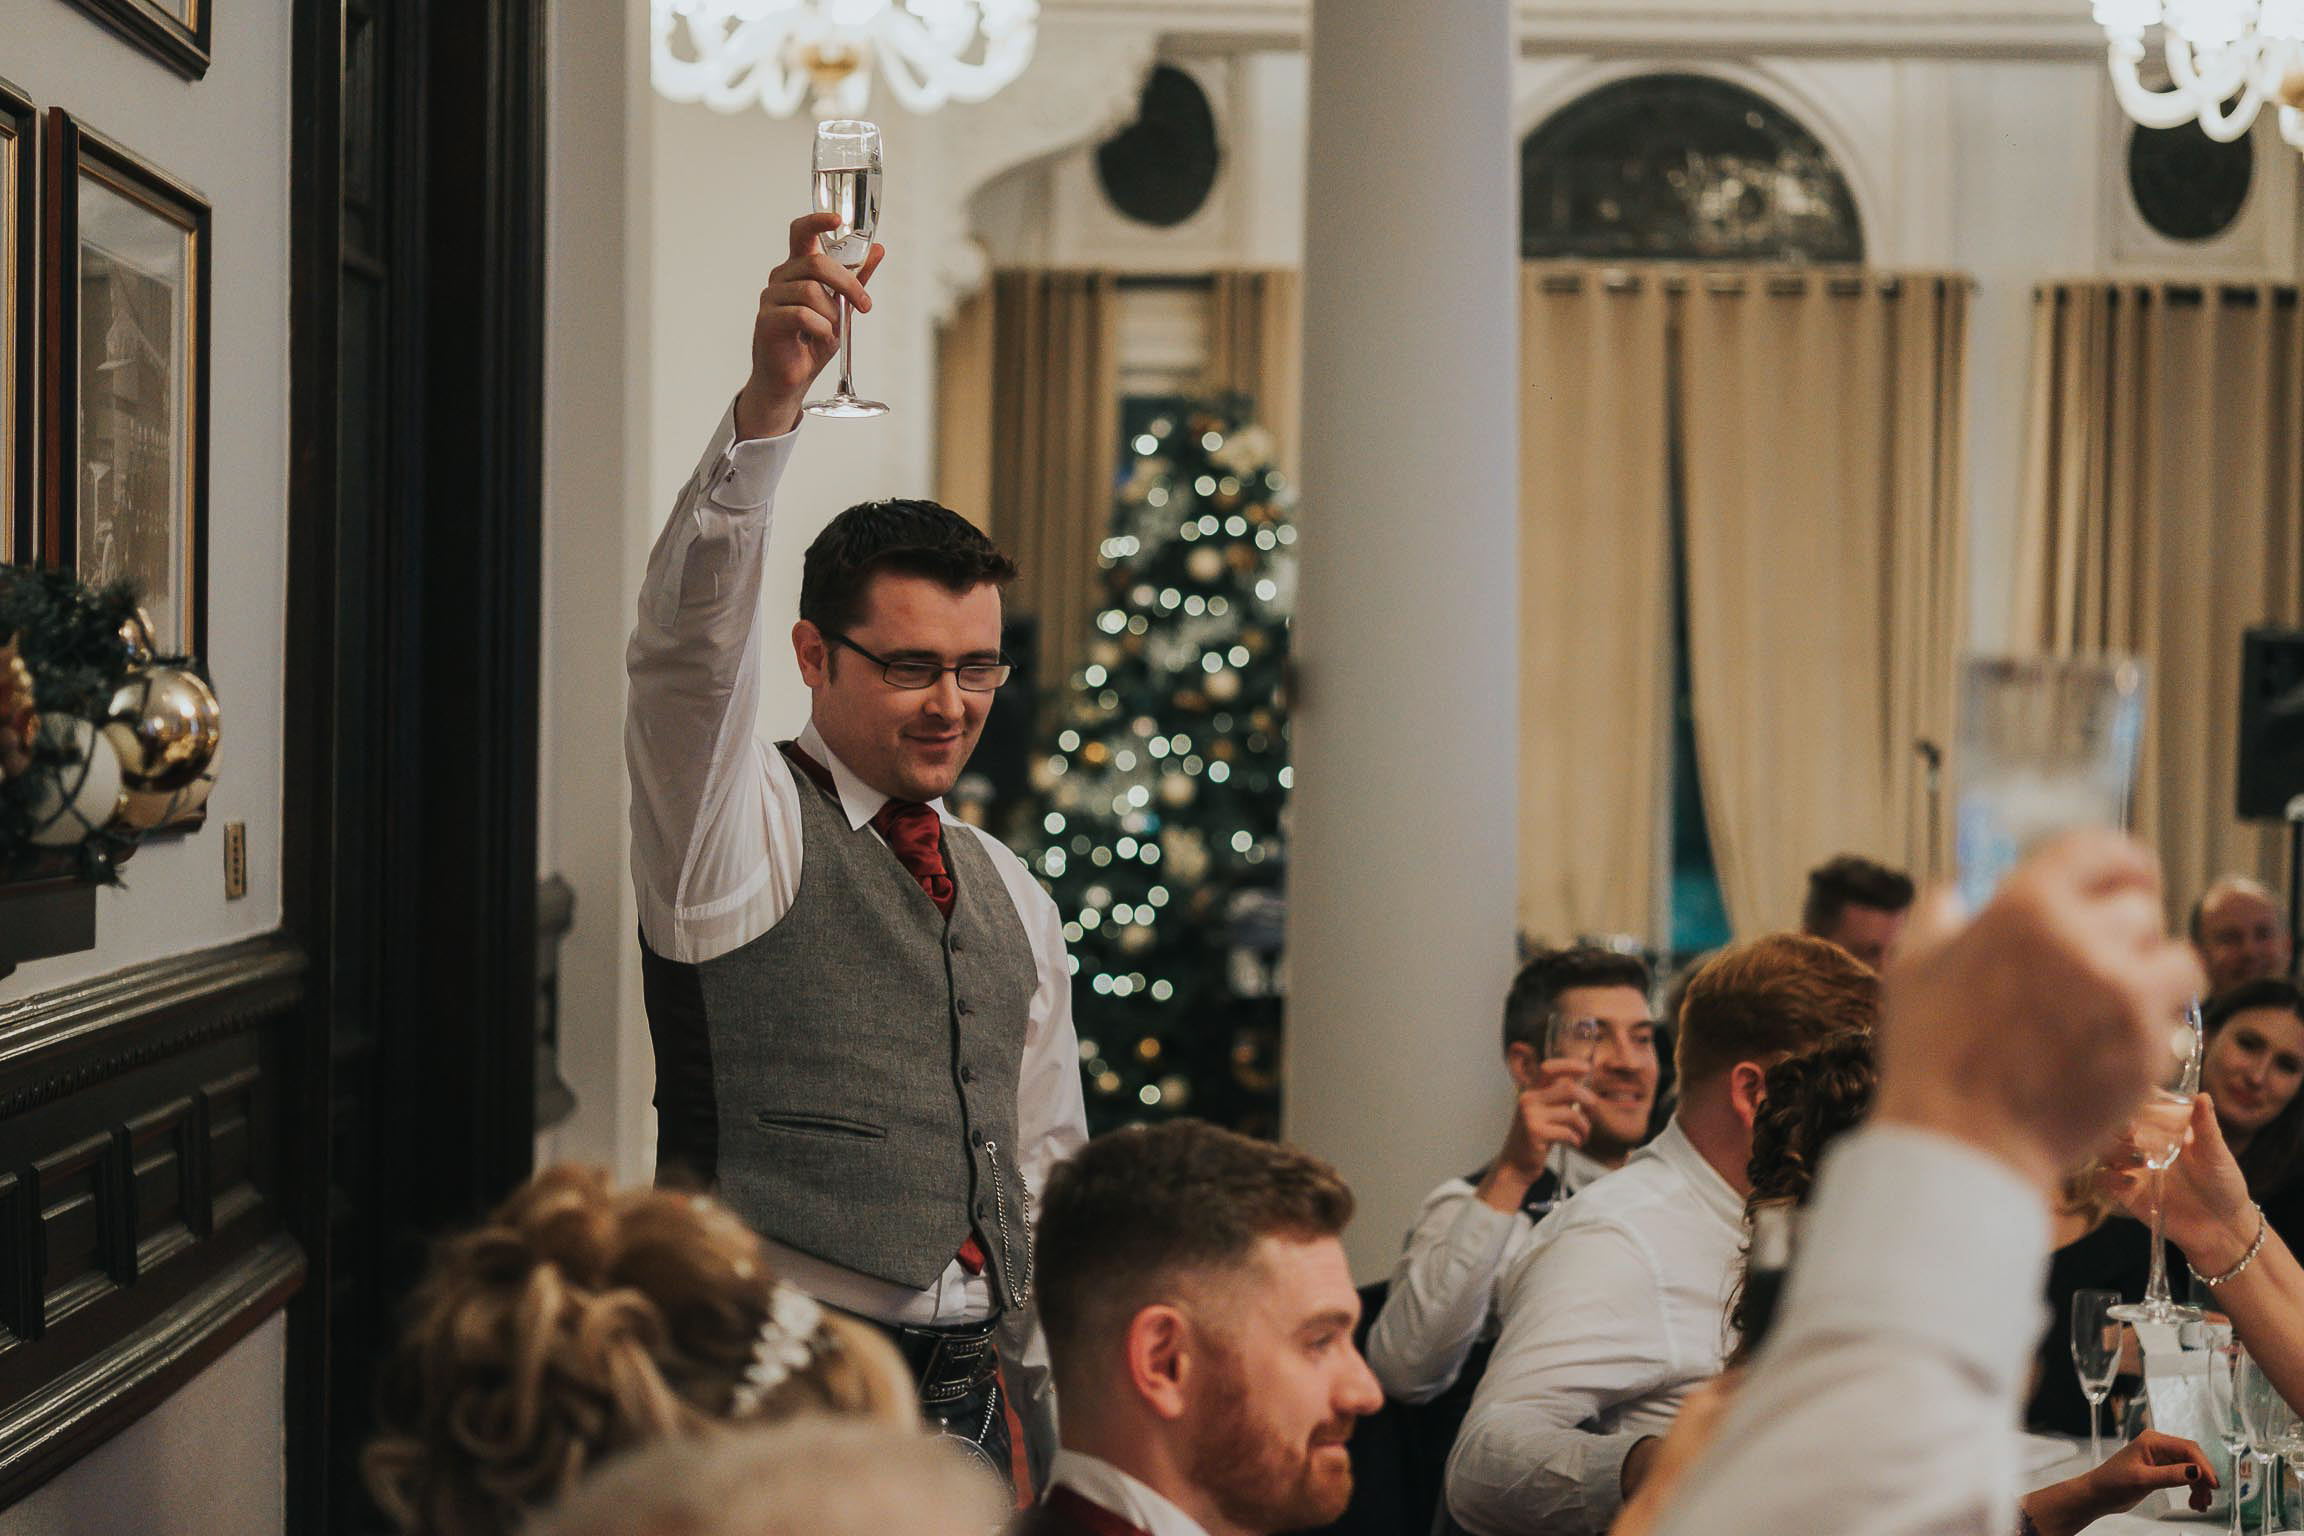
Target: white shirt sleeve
[[1443, 1292], [1584, 1331], [715, 819], [1886, 1402]]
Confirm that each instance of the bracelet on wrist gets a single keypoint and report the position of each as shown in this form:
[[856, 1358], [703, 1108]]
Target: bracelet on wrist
[[2263, 1228]]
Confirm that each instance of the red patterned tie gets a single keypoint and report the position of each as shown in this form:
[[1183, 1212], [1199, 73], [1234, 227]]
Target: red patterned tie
[[916, 832]]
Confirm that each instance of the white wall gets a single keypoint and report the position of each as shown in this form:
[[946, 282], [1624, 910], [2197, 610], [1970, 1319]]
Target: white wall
[[227, 136], [211, 1459]]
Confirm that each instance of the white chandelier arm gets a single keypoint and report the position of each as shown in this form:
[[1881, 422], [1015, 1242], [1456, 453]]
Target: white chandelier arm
[[2154, 109], [2207, 90], [925, 73]]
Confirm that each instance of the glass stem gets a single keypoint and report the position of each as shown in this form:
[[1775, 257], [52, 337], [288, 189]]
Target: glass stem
[[2095, 1432], [2235, 1493], [2156, 1288], [847, 351], [2270, 1463]]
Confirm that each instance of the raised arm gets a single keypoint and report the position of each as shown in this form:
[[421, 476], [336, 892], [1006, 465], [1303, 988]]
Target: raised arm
[[2011, 1048], [701, 824]]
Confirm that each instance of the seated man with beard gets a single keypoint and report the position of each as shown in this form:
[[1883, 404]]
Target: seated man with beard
[[1199, 1314]]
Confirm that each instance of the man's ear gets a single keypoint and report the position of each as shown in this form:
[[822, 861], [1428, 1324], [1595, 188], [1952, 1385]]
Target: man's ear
[[1160, 1360], [1521, 1059], [1747, 1082], [814, 655]]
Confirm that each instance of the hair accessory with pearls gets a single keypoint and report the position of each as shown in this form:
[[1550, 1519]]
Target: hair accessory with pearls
[[788, 1341]]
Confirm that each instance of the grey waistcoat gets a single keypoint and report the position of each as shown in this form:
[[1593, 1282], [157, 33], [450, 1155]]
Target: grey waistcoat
[[864, 1057]]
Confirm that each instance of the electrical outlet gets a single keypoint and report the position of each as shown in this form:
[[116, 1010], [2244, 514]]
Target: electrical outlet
[[235, 860]]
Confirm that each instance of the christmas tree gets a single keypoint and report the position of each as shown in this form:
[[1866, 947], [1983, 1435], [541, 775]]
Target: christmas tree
[[1159, 825]]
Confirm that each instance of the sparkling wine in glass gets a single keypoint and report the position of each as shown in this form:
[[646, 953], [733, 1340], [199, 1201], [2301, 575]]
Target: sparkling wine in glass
[[2096, 1334], [847, 183], [2157, 1135]]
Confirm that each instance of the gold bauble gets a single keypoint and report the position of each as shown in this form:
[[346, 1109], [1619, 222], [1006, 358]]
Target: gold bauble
[[165, 723], [136, 639], [1095, 754], [145, 810], [19, 719]]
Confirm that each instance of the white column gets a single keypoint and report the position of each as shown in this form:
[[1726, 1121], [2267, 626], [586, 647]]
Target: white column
[[1403, 844]]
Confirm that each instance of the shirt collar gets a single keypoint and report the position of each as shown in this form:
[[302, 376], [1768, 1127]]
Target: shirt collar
[[1578, 1169], [1104, 1484], [859, 801], [1673, 1148]]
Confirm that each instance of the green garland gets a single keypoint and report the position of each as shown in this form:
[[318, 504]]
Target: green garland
[[71, 637]]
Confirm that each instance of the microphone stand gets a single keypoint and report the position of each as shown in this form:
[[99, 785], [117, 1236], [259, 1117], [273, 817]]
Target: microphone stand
[[1933, 756]]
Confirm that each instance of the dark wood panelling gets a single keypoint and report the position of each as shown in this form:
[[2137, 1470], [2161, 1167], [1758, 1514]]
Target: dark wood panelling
[[140, 1222]]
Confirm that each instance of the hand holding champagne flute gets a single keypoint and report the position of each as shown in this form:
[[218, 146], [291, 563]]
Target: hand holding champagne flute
[[847, 185]]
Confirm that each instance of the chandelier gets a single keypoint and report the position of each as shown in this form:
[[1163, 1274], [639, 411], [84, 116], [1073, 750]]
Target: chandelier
[[2227, 60], [729, 54]]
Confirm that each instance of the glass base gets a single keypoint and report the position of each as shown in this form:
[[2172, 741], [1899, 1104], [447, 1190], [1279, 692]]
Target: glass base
[[2169, 1312], [845, 407]]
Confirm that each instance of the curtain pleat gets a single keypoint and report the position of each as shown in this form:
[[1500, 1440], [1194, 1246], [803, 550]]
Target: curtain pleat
[[1595, 559], [2162, 515], [1255, 348], [1055, 425]]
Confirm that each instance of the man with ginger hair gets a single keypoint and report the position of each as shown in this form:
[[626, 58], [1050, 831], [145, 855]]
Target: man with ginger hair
[[1617, 1308], [1199, 1314]]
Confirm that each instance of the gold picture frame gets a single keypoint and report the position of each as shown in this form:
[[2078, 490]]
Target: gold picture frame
[[126, 368]]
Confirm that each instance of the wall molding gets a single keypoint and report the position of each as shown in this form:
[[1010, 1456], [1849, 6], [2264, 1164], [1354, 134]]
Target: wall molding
[[1963, 28], [141, 1227], [80, 1410], [56, 1043]]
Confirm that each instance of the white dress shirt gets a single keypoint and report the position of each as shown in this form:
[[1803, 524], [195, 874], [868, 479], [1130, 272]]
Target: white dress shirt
[[1618, 1307], [1442, 1300], [716, 847], [1107, 1487], [1885, 1401]]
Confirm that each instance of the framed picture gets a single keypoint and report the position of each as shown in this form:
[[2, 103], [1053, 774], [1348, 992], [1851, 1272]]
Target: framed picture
[[125, 407], [19, 215], [173, 31]]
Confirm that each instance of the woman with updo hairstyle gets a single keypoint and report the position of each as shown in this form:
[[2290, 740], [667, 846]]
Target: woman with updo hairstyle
[[1806, 1101], [578, 1321]]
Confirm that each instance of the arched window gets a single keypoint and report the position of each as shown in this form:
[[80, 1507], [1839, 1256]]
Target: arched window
[[1673, 167]]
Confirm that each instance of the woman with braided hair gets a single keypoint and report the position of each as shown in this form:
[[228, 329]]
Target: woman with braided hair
[[579, 1321]]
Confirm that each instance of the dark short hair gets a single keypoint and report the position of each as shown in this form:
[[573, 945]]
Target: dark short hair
[[1851, 881], [1550, 972], [1769, 998], [2274, 1156], [1140, 1208], [913, 538]]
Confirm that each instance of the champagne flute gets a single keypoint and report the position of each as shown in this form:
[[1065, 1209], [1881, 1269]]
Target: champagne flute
[[847, 182], [2268, 1423], [2095, 1358], [1566, 1039], [2157, 1134], [2228, 1368]]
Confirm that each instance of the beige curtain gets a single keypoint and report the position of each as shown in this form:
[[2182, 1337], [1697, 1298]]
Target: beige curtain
[[1054, 439], [964, 374], [2163, 513], [1824, 499], [1255, 347], [1594, 568]]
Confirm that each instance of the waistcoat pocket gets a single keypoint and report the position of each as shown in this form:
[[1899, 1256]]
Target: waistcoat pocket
[[836, 1127]]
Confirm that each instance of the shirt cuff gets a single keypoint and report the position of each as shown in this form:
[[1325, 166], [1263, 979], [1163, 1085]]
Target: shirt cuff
[[1921, 1235], [1480, 1231], [741, 475]]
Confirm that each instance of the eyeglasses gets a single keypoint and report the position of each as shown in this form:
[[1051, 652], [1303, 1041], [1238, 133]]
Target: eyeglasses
[[974, 676]]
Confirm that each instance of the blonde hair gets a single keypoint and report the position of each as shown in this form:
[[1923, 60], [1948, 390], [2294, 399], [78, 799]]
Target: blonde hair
[[821, 1477], [578, 1321]]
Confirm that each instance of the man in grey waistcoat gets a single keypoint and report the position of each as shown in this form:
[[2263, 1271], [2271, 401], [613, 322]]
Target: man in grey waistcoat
[[861, 1006]]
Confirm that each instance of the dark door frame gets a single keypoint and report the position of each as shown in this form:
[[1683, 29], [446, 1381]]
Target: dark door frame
[[414, 593]]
